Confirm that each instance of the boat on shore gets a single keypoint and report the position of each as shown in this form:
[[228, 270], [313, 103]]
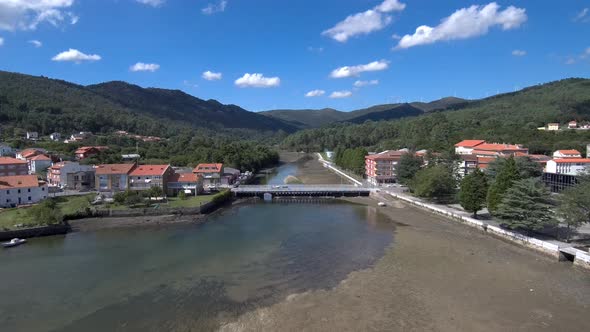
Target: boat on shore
[[14, 242]]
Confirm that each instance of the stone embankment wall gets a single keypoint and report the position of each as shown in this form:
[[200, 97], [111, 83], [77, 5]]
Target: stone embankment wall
[[582, 259], [34, 232]]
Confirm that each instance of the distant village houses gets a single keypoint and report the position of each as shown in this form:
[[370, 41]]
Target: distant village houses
[[21, 189]]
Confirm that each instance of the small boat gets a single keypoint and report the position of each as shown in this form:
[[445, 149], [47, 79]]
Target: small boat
[[13, 243], [381, 204]]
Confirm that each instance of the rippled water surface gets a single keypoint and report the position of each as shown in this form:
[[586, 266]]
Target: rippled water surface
[[186, 277]]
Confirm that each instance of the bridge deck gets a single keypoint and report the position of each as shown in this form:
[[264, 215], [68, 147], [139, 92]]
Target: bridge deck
[[301, 190]]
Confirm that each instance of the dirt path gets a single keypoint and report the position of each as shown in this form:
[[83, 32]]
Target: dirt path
[[439, 276]]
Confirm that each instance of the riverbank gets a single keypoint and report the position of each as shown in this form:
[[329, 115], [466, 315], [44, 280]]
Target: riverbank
[[438, 276]]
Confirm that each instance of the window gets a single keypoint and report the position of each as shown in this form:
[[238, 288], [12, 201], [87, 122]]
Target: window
[[42, 188], [29, 198], [8, 192], [29, 190], [19, 191]]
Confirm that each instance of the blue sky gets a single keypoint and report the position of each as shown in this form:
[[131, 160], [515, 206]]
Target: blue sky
[[292, 48]]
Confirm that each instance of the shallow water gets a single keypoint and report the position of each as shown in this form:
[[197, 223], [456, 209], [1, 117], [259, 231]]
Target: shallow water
[[186, 277]]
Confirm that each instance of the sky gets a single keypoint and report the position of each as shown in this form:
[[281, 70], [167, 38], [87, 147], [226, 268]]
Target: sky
[[282, 54]]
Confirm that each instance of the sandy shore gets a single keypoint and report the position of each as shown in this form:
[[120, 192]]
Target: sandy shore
[[94, 224], [439, 276], [311, 171]]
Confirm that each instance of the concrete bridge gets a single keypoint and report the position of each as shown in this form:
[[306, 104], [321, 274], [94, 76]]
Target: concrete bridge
[[301, 190]]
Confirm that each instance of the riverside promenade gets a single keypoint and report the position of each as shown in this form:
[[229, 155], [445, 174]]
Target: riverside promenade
[[554, 248]]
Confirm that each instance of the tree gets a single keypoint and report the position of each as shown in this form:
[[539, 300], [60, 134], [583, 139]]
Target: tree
[[156, 191], [182, 195], [527, 205], [574, 206], [46, 213], [407, 167], [132, 198], [526, 167], [119, 198], [507, 174], [436, 182], [473, 192]]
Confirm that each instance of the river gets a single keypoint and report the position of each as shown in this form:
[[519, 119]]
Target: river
[[322, 265], [193, 277]]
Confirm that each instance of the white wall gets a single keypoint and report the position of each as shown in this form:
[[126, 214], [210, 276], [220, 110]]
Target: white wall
[[8, 197], [566, 168]]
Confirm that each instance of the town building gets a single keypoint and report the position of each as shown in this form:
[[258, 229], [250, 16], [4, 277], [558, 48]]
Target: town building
[[113, 177], [211, 174], [144, 177], [77, 137], [12, 166], [467, 165], [190, 183], [55, 137], [572, 125], [38, 163], [89, 151], [21, 189], [568, 166], [6, 150], [32, 135], [499, 150], [71, 175], [553, 126], [380, 167], [130, 157], [467, 146], [30, 153], [563, 154]]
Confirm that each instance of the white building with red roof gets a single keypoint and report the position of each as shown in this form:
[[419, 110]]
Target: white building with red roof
[[467, 146], [568, 166], [113, 177], [563, 154], [144, 177], [211, 174], [71, 175], [21, 189], [39, 163], [189, 183]]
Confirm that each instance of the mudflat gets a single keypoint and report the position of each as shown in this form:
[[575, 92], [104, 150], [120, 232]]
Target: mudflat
[[439, 276]]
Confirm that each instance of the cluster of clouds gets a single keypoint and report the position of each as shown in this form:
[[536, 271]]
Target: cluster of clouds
[[140, 66], [28, 14], [213, 8], [363, 23], [585, 55]]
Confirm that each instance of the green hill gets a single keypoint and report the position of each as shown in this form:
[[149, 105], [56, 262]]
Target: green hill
[[318, 118], [512, 117], [47, 105]]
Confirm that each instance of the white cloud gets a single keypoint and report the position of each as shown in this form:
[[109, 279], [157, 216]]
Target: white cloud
[[519, 53], [153, 3], [315, 49], [396, 36], [1, 41], [360, 84], [213, 8], [315, 93], [140, 66], [340, 94], [466, 23], [211, 76], [28, 14], [257, 81], [76, 56], [582, 16], [35, 43], [365, 22], [349, 71]]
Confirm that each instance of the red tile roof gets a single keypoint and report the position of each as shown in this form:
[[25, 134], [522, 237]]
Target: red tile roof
[[386, 155], [501, 147], [114, 169], [28, 153], [18, 181], [40, 157], [208, 168], [10, 161], [469, 143], [573, 160], [576, 152], [184, 177], [147, 170]]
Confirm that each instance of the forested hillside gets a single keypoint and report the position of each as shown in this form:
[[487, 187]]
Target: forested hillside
[[48, 105], [512, 117]]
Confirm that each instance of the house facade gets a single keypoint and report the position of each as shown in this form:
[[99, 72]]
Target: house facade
[[466, 146], [380, 167], [568, 166], [190, 183], [55, 137], [21, 189], [38, 163], [553, 126], [71, 175], [113, 177], [6, 150], [12, 166], [32, 135], [144, 177], [89, 151], [211, 174], [29, 153]]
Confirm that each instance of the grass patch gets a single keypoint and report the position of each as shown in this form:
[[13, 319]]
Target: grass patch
[[190, 201], [67, 205]]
